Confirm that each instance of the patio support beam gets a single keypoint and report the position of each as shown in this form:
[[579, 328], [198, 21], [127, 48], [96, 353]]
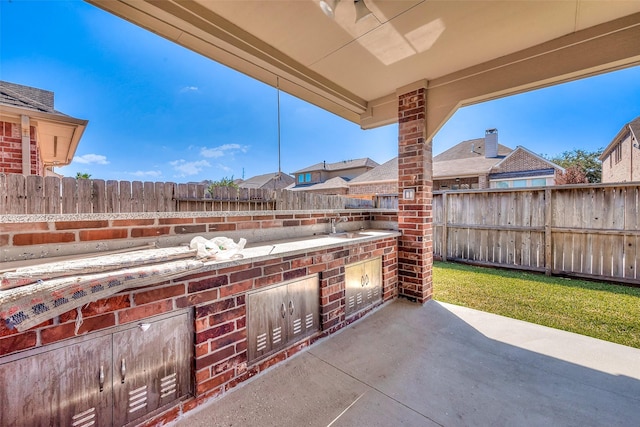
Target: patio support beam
[[415, 172]]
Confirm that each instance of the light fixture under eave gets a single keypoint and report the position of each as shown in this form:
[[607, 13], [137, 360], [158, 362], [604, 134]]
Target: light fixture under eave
[[329, 7], [362, 11]]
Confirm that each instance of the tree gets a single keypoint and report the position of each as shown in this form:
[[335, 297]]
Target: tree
[[83, 175], [572, 175], [586, 161], [223, 182]]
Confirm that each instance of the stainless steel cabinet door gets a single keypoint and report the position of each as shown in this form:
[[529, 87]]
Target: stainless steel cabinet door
[[64, 386], [151, 367], [267, 313], [363, 285], [373, 280], [303, 307], [354, 288]]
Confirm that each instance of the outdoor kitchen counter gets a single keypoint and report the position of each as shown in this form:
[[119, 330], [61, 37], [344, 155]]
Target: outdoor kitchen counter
[[281, 248]]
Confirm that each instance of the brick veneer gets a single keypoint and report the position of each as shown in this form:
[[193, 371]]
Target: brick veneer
[[217, 297], [415, 170], [519, 161], [11, 149]]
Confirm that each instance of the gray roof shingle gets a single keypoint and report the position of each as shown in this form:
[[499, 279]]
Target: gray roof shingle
[[337, 166], [27, 97]]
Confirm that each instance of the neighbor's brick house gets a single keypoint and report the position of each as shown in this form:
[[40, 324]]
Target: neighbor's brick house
[[331, 178], [477, 163], [621, 159], [34, 137]]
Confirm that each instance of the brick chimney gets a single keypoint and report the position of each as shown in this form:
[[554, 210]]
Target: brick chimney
[[491, 143]]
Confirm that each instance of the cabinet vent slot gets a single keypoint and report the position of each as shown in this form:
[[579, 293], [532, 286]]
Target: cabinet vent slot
[[376, 291], [137, 399], [297, 325], [84, 419], [369, 294], [309, 321], [168, 385], [359, 298], [277, 335], [352, 301], [261, 341]]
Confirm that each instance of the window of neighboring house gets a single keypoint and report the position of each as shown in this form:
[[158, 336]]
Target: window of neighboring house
[[519, 183], [538, 182], [618, 152], [307, 178], [301, 178], [502, 184]]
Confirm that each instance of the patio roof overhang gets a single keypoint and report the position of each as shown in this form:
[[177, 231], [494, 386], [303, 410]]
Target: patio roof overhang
[[464, 52]]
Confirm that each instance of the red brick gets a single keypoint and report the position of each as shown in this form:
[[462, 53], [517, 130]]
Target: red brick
[[189, 229], [215, 219], [245, 274], [158, 294], [42, 238], [268, 280], [117, 302], [67, 330], [23, 226], [108, 234], [214, 358], [170, 221], [222, 227], [132, 222], [231, 363], [144, 311], [19, 342], [236, 288], [76, 225], [4, 240], [150, 232], [227, 340], [248, 225], [208, 283], [214, 382], [278, 268], [197, 298], [214, 332], [272, 361]]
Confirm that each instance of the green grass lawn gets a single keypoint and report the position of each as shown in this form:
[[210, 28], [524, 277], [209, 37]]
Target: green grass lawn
[[600, 310]]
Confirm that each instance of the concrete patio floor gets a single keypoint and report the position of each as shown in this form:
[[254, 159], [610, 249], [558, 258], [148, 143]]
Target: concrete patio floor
[[440, 364]]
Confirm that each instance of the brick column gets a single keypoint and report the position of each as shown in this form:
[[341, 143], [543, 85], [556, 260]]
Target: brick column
[[415, 172]]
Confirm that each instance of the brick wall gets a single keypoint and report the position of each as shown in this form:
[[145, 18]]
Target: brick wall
[[11, 149], [17, 237], [521, 160], [628, 169], [217, 298]]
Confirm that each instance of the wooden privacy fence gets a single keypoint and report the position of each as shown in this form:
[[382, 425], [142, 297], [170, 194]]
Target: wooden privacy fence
[[588, 231], [20, 194]]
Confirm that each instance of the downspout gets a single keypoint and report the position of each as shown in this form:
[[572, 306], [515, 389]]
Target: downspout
[[26, 145]]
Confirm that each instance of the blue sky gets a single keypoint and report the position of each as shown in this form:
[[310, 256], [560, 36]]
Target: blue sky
[[158, 112]]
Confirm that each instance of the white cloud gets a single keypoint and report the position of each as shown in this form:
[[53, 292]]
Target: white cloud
[[153, 174], [91, 159], [223, 167], [189, 89], [189, 168], [221, 150]]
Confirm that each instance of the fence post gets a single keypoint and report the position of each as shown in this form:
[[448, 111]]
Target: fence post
[[547, 231], [443, 243]]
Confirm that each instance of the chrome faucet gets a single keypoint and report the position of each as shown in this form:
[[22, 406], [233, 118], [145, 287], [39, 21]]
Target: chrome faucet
[[335, 221]]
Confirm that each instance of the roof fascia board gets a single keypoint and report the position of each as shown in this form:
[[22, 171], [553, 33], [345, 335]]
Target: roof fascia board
[[615, 141]]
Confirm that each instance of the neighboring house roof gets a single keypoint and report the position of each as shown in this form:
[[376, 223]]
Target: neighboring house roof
[[633, 126], [337, 166], [58, 134], [387, 171], [531, 153], [470, 149], [260, 181], [330, 184], [458, 161]]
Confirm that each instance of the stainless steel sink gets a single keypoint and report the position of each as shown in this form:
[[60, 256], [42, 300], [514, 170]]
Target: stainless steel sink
[[347, 235]]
